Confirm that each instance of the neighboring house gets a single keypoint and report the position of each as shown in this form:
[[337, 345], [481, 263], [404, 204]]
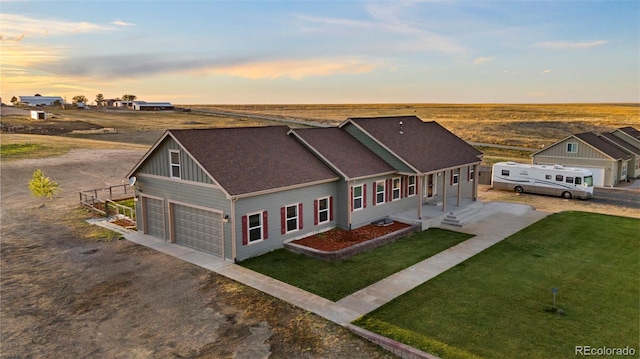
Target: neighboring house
[[152, 106], [40, 100], [241, 192], [605, 158], [630, 139]]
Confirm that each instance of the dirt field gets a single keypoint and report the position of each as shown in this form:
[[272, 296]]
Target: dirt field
[[67, 295]]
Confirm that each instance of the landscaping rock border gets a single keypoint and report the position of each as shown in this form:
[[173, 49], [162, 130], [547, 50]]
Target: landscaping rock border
[[352, 250]]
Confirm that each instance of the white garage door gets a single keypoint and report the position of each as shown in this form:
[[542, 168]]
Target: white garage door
[[197, 228], [598, 175], [153, 217]]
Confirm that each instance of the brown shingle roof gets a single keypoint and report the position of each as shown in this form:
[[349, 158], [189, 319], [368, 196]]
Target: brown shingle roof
[[631, 132], [602, 145], [343, 151], [620, 143], [251, 159], [426, 146]]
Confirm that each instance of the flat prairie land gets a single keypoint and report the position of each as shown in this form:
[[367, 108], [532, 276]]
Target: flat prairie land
[[524, 125]]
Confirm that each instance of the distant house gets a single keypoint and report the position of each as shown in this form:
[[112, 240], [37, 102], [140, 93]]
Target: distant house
[[241, 192], [38, 115], [121, 103], [40, 100], [152, 106], [612, 157]]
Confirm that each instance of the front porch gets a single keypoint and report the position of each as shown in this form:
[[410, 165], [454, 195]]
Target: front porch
[[432, 214]]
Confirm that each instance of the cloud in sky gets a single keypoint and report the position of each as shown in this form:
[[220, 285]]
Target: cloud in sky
[[121, 23], [293, 69], [563, 45], [13, 24], [136, 66], [482, 60]]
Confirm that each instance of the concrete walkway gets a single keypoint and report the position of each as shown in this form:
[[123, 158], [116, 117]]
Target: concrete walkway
[[500, 220]]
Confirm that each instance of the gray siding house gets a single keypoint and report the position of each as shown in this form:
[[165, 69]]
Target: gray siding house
[[609, 158], [242, 192]]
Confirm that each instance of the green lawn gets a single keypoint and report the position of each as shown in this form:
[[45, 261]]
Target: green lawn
[[497, 304], [335, 280]]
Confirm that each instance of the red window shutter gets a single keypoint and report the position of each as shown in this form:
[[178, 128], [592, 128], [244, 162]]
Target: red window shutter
[[351, 203], [331, 208], [245, 231], [315, 212], [364, 195], [375, 194], [283, 220], [265, 224], [300, 219]]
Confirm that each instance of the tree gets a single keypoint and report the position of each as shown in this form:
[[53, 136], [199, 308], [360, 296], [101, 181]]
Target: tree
[[99, 99], [79, 98], [14, 100], [129, 97], [41, 186]]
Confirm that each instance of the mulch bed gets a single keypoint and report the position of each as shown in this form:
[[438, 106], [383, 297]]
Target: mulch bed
[[337, 238]]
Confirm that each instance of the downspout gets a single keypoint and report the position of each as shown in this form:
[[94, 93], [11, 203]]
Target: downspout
[[476, 177], [349, 204], [233, 229], [419, 188]]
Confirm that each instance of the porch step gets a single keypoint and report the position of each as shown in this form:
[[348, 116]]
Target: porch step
[[464, 216]]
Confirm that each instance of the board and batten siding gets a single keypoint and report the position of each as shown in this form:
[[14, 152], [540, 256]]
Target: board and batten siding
[[272, 203], [183, 192], [387, 156], [158, 163], [559, 150]]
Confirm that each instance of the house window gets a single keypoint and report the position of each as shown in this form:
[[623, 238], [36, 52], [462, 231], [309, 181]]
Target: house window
[[254, 227], [559, 178], [291, 214], [572, 147], [395, 191], [456, 177], [623, 173], [411, 187], [472, 174], [380, 192], [174, 160], [357, 201], [323, 210]]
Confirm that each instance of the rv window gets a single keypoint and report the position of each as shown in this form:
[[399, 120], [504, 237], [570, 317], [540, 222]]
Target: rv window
[[559, 178], [505, 172], [569, 180], [547, 177], [578, 180]]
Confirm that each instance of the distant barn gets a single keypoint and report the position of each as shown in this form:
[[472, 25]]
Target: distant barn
[[152, 106], [41, 100]]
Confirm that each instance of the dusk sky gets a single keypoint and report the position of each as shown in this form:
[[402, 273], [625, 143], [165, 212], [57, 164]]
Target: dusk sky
[[250, 52]]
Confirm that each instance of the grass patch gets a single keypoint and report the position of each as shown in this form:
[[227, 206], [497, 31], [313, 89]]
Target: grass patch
[[15, 151], [129, 202], [335, 280], [495, 304]]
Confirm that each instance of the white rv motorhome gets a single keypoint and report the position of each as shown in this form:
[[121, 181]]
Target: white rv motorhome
[[556, 180]]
